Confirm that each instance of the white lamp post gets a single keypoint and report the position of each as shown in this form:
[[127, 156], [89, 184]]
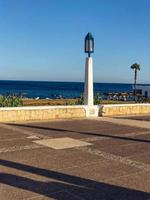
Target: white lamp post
[[88, 85]]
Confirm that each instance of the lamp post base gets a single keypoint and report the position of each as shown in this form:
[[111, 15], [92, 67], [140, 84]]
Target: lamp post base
[[92, 111]]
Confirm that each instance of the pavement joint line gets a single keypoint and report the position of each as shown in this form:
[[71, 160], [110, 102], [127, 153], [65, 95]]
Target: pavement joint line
[[19, 148], [109, 156], [27, 132]]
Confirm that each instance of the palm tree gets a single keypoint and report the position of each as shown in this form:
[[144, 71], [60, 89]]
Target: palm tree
[[135, 67]]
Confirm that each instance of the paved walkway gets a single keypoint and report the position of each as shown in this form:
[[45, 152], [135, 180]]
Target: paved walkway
[[96, 159], [136, 121]]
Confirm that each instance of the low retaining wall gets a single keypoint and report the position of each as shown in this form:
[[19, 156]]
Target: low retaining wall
[[41, 113], [68, 112], [124, 109]]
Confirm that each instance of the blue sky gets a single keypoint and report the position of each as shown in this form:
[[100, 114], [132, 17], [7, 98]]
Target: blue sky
[[44, 39]]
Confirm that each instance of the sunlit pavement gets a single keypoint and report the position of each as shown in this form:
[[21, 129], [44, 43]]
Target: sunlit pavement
[[95, 159]]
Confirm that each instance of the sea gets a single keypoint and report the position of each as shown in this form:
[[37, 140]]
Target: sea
[[53, 90]]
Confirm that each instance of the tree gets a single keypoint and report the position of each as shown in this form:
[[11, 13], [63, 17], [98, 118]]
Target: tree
[[136, 68]]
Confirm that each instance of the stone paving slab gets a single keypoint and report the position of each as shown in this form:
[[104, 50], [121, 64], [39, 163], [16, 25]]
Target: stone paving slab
[[115, 167], [62, 143]]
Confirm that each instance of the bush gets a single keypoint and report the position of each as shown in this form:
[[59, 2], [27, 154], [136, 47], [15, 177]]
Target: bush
[[10, 101], [143, 100], [97, 98], [80, 100]]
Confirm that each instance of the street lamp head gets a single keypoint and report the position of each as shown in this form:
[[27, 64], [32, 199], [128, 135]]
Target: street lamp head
[[89, 44]]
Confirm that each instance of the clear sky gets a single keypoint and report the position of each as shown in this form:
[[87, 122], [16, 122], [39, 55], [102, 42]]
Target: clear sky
[[44, 39]]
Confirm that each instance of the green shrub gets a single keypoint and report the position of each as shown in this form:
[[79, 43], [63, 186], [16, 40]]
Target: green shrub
[[10, 101], [142, 99], [97, 98], [80, 100]]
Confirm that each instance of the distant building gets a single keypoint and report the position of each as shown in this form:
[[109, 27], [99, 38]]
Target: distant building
[[144, 90]]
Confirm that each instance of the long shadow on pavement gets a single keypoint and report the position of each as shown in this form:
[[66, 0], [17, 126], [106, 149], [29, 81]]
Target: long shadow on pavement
[[61, 185]]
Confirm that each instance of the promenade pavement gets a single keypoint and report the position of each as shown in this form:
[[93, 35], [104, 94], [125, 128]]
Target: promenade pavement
[[84, 159]]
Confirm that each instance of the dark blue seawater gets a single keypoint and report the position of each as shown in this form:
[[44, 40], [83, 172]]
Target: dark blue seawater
[[32, 89]]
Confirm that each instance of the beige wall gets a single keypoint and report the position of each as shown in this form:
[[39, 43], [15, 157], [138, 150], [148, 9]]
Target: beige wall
[[68, 112], [124, 109], [40, 113]]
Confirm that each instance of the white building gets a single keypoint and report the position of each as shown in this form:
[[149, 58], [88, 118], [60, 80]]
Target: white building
[[144, 90]]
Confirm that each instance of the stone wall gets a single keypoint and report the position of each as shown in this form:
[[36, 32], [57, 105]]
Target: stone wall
[[124, 109], [68, 112], [41, 113]]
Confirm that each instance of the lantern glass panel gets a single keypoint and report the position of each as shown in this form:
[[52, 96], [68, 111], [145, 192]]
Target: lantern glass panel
[[90, 45], [87, 46]]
